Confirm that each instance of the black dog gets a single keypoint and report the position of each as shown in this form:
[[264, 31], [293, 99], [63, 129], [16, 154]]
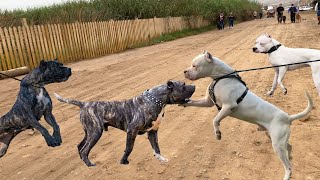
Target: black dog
[[135, 116], [284, 19], [32, 103]]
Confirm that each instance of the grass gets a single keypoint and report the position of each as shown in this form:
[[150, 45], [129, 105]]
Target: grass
[[176, 35], [103, 10]]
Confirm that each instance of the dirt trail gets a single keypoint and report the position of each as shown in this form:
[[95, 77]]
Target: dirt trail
[[186, 135]]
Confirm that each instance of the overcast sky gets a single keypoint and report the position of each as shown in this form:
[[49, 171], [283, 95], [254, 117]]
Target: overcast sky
[[24, 4]]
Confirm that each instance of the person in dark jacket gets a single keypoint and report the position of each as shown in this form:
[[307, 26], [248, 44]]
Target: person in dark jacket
[[231, 20], [292, 10], [221, 21], [280, 10]]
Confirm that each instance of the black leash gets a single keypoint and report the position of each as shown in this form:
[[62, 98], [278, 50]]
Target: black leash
[[268, 67], [11, 77], [19, 80]]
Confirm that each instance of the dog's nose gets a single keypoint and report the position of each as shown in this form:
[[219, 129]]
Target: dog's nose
[[254, 49], [185, 71]]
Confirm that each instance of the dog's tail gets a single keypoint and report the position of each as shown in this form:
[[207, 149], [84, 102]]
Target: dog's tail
[[306, 111], [70, 101]]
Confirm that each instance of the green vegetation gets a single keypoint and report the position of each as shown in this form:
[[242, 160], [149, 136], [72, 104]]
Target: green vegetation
[[179, 34], [102, 10]]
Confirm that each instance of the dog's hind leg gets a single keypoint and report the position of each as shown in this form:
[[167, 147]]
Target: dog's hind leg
[[93, 130], [279, 137], [5, 139], [316, 77], [224, 112], [91, 138], [81, 144]]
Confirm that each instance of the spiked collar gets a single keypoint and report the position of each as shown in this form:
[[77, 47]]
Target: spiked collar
[[154, 99]]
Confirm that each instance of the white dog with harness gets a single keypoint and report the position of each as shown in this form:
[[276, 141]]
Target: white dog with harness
[[232, 98]]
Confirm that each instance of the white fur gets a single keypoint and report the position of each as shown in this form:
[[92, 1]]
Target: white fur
[[252, 109], [285, 55], [160, 157], [41, 98]]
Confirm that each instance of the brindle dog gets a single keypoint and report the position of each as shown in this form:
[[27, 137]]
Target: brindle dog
[[135, 116], [32, 103]]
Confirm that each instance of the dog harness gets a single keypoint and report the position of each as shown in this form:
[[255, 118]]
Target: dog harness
[[212, 85], [274, 48]]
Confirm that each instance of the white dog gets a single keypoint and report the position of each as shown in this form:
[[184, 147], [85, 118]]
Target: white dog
[[279, 54], [231, 94]]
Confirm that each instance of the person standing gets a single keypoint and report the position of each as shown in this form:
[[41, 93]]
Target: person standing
[[221, 20], [280, 10], [260, 14], [292, 10], [231, 20], [255, 14], [317, 9]]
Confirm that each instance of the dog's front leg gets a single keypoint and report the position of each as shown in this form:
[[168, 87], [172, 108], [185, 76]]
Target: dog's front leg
[[132, 133], [274, 83], [282, 72], [153, 139], [205, 102], [50, 119], [224, 112], [44, 132]]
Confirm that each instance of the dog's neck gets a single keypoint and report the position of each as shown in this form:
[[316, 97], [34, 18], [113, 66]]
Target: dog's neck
[[275, 42], [220, 69], [33, 79]]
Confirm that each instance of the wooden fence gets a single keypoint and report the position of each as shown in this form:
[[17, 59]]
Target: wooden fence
[[28, 45]]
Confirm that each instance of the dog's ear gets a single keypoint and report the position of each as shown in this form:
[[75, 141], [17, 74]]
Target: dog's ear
[[208, 57], [170, 84], [204, 51], [43, 65], [267, 35]]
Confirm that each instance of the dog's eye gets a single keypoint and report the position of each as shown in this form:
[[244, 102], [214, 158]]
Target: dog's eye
[[193, 66]]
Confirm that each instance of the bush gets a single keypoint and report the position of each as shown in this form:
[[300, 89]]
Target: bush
[[102, 10]]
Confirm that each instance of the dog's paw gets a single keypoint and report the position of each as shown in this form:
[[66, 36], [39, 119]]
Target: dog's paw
[[269, 93], [218, 135], [285, 91], [124, 161], [57, 138], [161, 158], [51, 141]]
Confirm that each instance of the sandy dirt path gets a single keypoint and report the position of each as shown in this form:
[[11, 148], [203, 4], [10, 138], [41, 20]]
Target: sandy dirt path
[[186, 134]]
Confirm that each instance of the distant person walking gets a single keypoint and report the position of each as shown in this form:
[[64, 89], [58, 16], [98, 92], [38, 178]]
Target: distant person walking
[[292, 10], [317, 9], [260, 14], [231, 20], [280, 10]]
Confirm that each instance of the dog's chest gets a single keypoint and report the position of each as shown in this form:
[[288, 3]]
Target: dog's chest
[[42, 99]]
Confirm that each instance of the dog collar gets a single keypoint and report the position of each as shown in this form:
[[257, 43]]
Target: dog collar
[[153, 99], [274, 48]]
